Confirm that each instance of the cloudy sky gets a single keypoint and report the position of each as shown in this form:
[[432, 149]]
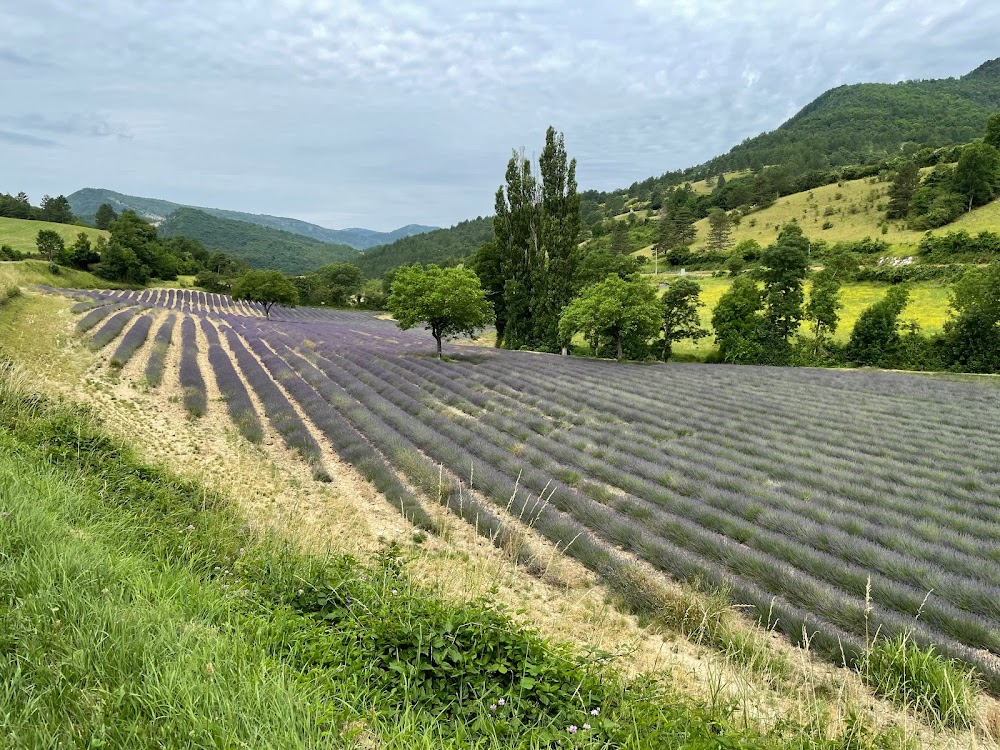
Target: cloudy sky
[[379, 114]]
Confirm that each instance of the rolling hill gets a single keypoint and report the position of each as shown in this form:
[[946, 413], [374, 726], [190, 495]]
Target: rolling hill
[[20, 234], [442, 246], [85, 203], [261, 247]]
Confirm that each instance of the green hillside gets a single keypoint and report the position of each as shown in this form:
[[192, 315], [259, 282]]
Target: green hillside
[[442, 246], [261, 247], [20, 234], [85, 203]]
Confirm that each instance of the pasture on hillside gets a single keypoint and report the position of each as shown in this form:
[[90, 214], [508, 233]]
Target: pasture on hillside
[[20, 234], [831, 504], [928, 306]]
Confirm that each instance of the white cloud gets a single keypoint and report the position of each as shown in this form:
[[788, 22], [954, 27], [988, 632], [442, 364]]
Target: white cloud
[[406, 112]]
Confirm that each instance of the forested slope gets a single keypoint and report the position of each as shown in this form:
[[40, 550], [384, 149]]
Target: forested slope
[[261, 247]]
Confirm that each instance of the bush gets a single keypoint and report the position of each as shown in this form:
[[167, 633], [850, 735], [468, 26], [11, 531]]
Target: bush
[[9, 253]]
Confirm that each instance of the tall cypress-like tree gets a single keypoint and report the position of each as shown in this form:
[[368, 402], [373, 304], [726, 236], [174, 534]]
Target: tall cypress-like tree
[[560, 221], [904, 185], [536, 228], [517, 230]]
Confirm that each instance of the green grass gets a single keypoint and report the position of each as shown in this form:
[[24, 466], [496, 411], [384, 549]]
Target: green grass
[[20, 234], [939, 688], [928, 306], [32, 272], [139, 611]]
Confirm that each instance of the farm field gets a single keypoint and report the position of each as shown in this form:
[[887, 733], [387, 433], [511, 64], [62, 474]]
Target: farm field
[[831, 503], [20, 234]]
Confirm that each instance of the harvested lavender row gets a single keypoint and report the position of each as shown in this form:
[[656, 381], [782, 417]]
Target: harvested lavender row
[[88, 304], [192, 383], [350, 445], [111, 329], [276, 407], [238, 403], [133, 339], [158, 355], [95, 316]]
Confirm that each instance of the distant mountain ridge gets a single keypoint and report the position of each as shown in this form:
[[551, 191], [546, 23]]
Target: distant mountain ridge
[[86, 201], [261, 247]]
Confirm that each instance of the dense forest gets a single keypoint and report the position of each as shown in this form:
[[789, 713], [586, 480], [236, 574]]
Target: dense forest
[[442, 246], [261, 247]]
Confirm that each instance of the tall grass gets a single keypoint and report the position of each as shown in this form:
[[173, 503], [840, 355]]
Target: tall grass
[[918, 677]]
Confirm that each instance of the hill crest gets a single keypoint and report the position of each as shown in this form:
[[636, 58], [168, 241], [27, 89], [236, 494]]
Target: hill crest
[[86, 201]]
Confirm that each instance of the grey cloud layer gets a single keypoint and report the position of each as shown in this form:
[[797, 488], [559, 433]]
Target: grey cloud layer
[[384, 113]]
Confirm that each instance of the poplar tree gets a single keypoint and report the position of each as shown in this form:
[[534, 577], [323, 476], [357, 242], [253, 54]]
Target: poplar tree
[[560, 222], [517, 230], [535, 254]]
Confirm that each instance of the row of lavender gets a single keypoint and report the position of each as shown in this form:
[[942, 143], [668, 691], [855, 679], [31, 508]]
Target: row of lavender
[[198, 302], [790, 490]]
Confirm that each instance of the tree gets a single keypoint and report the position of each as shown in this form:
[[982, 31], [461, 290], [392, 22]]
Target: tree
[[904, 185], [448, 300], [338, 282], [822, 309], [681, 319], [536, 235], [784, 266], [615, 309], [560, 235], [81, 254], [56, 210], [517, 232], [977, 174], [972, 334], [50, 244], [719, 230], [269, 288], [992, 136], [875, 339], [736, 320], [619, 239], [684, 228], [104, 216], [597, 265]]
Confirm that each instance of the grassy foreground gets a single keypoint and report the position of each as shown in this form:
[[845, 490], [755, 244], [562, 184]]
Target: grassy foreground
[[137, 610]]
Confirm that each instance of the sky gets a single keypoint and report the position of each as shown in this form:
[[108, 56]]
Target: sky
[[380, 114]]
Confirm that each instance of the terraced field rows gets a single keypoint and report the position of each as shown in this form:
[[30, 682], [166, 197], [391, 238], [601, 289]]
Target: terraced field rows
[[833, 504]]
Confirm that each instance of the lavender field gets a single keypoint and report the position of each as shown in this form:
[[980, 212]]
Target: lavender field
[[794, 490]]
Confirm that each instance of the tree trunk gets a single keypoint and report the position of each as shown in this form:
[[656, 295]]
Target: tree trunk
[[565, 350], [666, 348], [437, 338], [618, 346], [267, 310]]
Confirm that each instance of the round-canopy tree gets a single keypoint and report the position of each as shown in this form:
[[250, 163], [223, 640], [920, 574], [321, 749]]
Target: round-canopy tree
[[614, 308], [448, 300], [266, 287]]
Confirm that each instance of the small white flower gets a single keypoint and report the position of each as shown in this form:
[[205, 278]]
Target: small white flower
[[595, 711], [502, 702], [572, 729], [586, 726]]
